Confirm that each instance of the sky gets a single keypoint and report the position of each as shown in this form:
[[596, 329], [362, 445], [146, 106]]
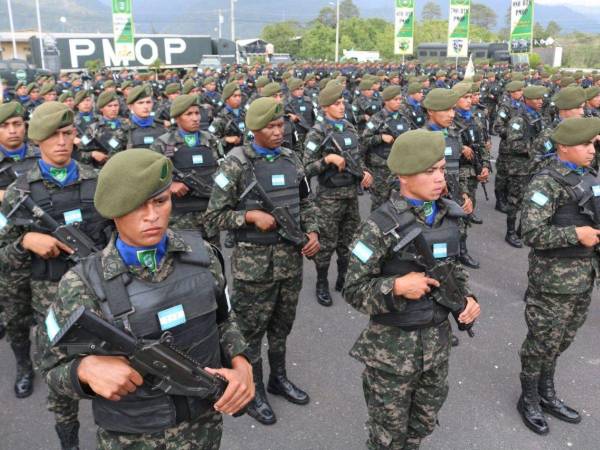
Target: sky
[[570, 2]]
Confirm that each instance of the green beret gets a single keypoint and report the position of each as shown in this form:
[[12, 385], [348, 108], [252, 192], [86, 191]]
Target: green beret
[[463, 88], [514, 86], [569, 98], [475, 87], [394, 75], [261, 82], [416, 151], [566, 81], [208, 80], [109, 83], [126, 84], [31, 87], [414, 87], [592, 92], [596, 78], [324, 82], [261, 112], [65, 95], [381, 73], [331, 94], [295, 83], [365, 84], [332, 83], [477, 77], [230, 89], [10, 110], [271, 89], [441, 73], [105, 98], [576, 130], [20, 84], [188, 86], [47, 118], [336, 74], [138, 93], [555, 77], [534, 92], [47, 88], [440, 99], [130, 178], [173, 88], [286, 75], [518, 76], [391, 92], [182, 103], [310, 76], [81, 95]]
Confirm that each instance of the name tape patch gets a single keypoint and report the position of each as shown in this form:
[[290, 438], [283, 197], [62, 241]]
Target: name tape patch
[[171, 317], [362, 252]]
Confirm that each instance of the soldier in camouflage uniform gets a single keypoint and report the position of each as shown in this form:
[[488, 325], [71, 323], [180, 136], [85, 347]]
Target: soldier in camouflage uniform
[[561, 227], [266, 265], [406, 345], [172, 91], [128, 409], [143, 129], [377, 139], [522, 131], [85, 116], [411, 107], [229, 126], [196, 153], [506, 110], [64, 190], [291, 139], [299, 108], [16, 157], [209, 95], [364, 106], [337, 197]]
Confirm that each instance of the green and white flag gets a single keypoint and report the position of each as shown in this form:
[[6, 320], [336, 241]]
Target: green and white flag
[[521, 26], [458, 28], [123, 28], [405, 27]]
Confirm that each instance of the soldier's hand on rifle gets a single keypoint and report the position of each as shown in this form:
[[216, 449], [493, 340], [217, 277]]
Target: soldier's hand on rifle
[[233, 139], [110, 377], [99, 157], [367, 180], [240, 389], [179, 189], [76, 141], [414, 285], [44, 245], [484, 175], [336, 160], [387, 138], [471, 312], [261, 220], [467, 152], [2, 192], [467, 206], [488, 145], [312, 246], [588, 236], [294, 117]]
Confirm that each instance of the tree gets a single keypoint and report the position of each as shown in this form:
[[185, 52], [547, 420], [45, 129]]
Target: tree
[[283, 36], [348, 10], [483, 16], [93, 65], [326, 16], [553, 29], [539, 32], [431, 11]]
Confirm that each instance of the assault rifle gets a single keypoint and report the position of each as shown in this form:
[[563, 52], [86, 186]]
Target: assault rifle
[[196, 184], [175, 372], [469, 138], [352, 165]]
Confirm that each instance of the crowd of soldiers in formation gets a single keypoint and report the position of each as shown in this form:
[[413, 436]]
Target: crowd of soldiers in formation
[[128, 109]]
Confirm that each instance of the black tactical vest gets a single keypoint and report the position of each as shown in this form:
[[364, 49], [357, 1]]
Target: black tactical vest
[[71, 204], [205, 118], [11, 169], [280, 180], [395, 127], [418, 118], [582, 210], [145, 137], [533, 127], [199, 161], [184, 305], [444, 241], [332, 177]]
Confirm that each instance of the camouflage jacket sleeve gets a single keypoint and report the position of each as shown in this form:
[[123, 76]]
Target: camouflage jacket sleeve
[[217, 128], [500, 122], [313, 153], [308, 209], [12, 255], [371, 136], [516, 136]]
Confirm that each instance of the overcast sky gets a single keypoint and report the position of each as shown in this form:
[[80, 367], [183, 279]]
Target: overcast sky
[[570, 2]]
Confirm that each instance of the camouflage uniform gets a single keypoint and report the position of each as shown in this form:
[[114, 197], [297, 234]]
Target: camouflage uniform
[[168, 144], [226, 123], [405, 378], [506, 109], [363, 108], [377, 151], [203, 432], [416, 114], [105, 136], [83, 121], [143, 137]]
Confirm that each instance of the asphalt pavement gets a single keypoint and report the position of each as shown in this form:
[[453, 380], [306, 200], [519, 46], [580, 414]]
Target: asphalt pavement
[[480, 410]]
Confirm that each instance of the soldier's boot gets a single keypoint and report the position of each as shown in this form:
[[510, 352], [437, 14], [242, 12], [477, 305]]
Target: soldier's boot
[[229, 240], [455, 341], [279, 384], [68, 434], [501, 202], [2, 329], [465, 258], [25, 374], [550, 403], [529, 406], [511, 234], [474, 218], [259, 407], [323, 295], [342, 266]]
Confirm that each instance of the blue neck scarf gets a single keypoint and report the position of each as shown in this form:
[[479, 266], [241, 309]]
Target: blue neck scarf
[[62, 176], [337, 124], [113, 123], [267, 153], [429, 208], [531, 111], [393, 114], [415, 104], [516, 103], [149, 257], [210, 93], [572, 166], [465, 114], [235, 112], [17, 155], [142, 122], [190, 139], [85, 114], [435, 127], [24, 98]]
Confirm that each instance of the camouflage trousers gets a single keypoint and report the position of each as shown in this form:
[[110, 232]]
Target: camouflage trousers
[[501, 179], [194, 221], [266, 307], [552, 323], [338, 220], [380, 189], [403, 407], [516, 189], [204, 434], [17, 312]]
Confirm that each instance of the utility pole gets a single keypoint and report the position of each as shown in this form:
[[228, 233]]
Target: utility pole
[[337, 31], [221, 20], [39, 23], [12, 29], [232, 19]]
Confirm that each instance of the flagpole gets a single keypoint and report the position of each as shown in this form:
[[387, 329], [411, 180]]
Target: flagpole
[[12, 29], [39, 21]]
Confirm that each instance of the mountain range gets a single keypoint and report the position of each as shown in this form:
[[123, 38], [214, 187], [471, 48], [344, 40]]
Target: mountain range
[[202, 17]]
